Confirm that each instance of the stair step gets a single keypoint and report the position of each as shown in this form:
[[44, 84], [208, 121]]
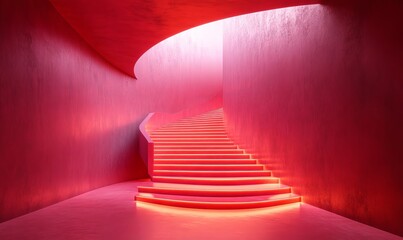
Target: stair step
[[218, 132], [217, 167], [199, 151], [185, 131], [205, 125], [215, 192], [201, 156], [204, 161], [194, 147], [190, 143], [208, 204], [216, 180], [214, 173], [204, 120], [197, 136], [193, 140]]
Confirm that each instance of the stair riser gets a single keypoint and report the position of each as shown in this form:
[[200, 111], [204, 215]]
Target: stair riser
[[205, 120], [204, 125], [204, 161], [201, 156], [194, 147], [215, 181], [190, 136], [189, 143], [189, 133], [209, 193], [208, 167], [193, 128], [191, 140], [196, 131], [234, 151], [213, 174], [212, 205]]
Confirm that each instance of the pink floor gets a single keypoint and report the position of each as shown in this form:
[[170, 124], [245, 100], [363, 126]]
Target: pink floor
[[111, 213]]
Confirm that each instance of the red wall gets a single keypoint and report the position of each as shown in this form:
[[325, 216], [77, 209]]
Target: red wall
[[316, 93], [68, 120]]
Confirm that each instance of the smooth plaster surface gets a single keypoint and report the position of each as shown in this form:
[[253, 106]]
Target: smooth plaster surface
[[316, 93]]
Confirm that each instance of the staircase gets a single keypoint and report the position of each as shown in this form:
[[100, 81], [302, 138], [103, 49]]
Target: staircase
[[196, 165]]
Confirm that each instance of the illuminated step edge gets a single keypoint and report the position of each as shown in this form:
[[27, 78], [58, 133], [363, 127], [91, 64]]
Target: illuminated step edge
[[189, 136], [194, 140], [191, 128], [204, 161], [199, 125], [204, 120], [219, 205], [187, 147], [161, 143], [216, 167], [184, 131], [212, 173], [200, 132], [214, 193], [216, 180], [198, 151], [201, 156]]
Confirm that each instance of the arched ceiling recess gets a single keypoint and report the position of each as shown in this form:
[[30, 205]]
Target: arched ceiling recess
[[122, 30]]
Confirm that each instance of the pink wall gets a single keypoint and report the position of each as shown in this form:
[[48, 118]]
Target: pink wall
[[68, 120], [189, 57], [316, 93]]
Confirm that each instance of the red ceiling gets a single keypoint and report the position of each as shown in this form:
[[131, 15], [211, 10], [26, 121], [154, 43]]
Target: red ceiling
[[122, 30]]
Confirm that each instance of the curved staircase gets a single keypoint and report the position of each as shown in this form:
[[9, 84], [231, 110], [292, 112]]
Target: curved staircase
[[196, 165]]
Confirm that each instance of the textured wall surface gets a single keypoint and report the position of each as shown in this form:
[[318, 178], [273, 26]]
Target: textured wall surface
[[316, 93], [68, 120]]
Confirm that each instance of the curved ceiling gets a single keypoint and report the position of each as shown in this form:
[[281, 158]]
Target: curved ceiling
[[122, 30]]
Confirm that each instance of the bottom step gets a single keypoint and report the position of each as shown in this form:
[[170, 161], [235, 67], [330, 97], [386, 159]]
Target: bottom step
[[290, 198]]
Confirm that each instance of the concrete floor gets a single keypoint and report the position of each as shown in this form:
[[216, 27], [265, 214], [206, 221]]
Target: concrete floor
[[111, 213]]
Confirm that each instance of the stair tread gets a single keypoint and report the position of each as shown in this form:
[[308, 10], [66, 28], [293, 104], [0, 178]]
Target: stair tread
[[216, 192], [206, 156], [220, 167], [216, 180], [226, 143], [219, 178], [220, 199], [229, 171], [194, 147], [217, 187], [210, 173], [207, 161], [219, 205]]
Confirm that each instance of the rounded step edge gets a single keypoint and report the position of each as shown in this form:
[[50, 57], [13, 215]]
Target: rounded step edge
[[189, 143], [216, 167], [199, 151], [216, 180], [158, 156], [214, 193], [218, 205], [205, 161], [196, 147], [212, 173]]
